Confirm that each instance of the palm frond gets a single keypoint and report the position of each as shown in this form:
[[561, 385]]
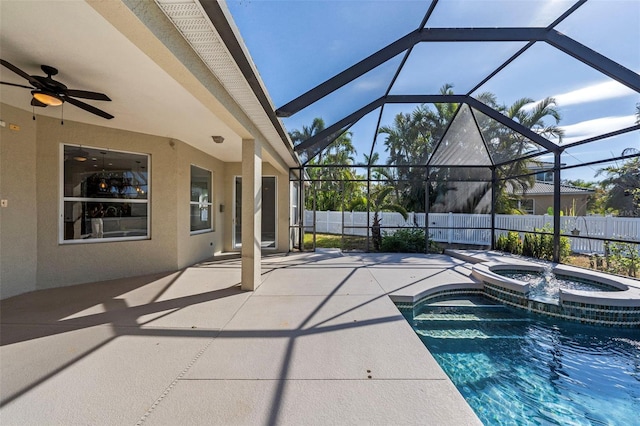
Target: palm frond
[[395, 208]]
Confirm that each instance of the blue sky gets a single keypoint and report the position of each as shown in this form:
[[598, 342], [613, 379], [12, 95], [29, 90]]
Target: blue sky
[[297, 45]]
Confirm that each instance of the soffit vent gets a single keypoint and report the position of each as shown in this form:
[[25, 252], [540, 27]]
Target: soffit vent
[[192, 22]]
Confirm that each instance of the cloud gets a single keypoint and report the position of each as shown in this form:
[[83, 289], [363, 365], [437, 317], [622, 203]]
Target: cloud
[[586, 129], [593, 93]]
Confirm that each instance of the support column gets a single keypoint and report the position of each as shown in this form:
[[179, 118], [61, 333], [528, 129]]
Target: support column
[[427, 187], [251, 214], [368, 205], [494, 198], [301, 209], [556, 207]]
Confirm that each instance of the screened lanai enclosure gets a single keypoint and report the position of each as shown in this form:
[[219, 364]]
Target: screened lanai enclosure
[[481, 119]]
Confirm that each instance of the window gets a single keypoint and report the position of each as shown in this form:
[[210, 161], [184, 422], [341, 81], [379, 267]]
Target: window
[[295, 213], [544, 176], [201, 200], [105, 195], [527, 205]]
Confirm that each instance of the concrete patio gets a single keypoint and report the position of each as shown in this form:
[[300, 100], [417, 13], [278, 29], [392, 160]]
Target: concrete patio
[[319, 342]]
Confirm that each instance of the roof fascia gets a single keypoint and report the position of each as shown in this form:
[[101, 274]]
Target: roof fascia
[[217, 16]]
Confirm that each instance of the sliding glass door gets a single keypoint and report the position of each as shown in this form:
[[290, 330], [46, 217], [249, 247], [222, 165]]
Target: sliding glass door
[[269, 220]]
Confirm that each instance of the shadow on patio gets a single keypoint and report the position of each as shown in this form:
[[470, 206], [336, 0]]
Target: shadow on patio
[[318, 342]]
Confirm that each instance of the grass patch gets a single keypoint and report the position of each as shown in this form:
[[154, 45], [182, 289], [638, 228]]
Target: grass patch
[[335, 241]]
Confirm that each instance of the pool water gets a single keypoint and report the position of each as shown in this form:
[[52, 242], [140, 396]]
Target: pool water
[[517, 369]]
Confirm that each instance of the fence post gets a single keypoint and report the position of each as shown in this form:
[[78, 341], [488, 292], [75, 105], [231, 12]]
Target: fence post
[[328, 220], [608, 226], [450, 226]]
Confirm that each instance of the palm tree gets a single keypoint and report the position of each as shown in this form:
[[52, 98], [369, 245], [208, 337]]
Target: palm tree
[[378, 173], [508, 145], [623, 185], [410, 141], [307, 132], [413, 137], [340, 152], [378, 202]]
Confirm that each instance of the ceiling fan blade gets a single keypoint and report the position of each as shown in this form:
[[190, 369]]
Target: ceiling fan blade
[[88, 95], [89, 108], [37, 103], [16, 70], [17, 85]]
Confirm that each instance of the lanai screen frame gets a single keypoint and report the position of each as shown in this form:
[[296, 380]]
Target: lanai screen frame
[[530, 35]]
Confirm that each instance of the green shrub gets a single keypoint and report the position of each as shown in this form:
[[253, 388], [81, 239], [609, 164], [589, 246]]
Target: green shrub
[[540, 246], [622, 258], [510, 243], [404, 241], [501, 243]]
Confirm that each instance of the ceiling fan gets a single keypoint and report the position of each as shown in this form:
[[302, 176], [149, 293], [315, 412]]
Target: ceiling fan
[[48, 92]]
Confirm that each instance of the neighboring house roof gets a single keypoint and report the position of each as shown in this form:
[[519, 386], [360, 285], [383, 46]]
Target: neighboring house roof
[[546, 188]]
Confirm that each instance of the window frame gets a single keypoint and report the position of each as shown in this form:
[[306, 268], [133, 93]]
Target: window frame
[[62, 198], [210, 203], [521, 203]]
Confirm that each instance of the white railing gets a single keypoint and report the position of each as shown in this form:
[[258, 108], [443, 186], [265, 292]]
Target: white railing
[[464, 228]]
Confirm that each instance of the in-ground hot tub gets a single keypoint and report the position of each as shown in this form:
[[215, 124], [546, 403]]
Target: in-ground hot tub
[[597, 298]]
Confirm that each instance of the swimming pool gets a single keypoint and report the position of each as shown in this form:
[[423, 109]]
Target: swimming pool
[[517, 368]]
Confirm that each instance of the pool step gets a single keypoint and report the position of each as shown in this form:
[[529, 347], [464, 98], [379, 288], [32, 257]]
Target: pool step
[[497, 313], [428, 317], [469, 333]]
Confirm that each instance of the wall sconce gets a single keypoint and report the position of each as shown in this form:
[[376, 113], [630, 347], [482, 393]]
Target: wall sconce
[[221, 208], [217, 139]]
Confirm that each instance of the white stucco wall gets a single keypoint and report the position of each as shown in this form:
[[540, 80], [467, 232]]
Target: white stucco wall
[[197, 247], [66, 264], [32, 256], [18, 221]]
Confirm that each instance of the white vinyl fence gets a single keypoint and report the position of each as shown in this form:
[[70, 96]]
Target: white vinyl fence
[[463, 228]]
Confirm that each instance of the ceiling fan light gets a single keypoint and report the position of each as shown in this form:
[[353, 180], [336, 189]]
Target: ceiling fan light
[[47, 98]]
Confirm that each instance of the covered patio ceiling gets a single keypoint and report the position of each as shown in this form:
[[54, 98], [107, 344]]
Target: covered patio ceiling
[[142, 58]]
